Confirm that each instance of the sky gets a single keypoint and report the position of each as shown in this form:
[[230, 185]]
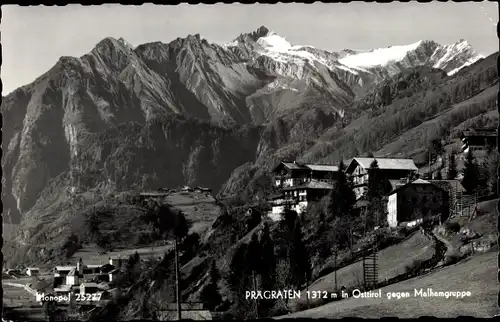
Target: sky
[[33, 38]]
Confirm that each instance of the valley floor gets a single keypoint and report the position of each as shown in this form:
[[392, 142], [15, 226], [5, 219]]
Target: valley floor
[[476, 275], [93, 255]]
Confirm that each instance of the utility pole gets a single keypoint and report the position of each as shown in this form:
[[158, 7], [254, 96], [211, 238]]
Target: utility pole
[[177, 286], [335, 267], [430, 172], [254, 280]]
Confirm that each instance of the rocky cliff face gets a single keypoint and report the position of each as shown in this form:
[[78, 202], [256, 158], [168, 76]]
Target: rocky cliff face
[[186, 112]]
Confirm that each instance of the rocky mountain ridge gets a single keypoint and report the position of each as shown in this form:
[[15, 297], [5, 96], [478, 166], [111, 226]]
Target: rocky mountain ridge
[[258, 94]]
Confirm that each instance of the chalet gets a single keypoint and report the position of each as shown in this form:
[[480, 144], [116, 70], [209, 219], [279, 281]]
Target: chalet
[[32, 271], [478, 139], [289, 174], [187, 189], [411, 203], [389, 169], [297, 197]]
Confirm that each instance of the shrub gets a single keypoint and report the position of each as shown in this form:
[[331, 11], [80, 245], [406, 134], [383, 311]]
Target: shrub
[[452, 259], [453, 226], [415, 266]]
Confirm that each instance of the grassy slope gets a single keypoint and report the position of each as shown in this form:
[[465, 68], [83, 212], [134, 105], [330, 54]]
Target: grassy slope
[[392, 261], [477, 275], [404, 145], [484, 224], [200, 209], [91, 254]]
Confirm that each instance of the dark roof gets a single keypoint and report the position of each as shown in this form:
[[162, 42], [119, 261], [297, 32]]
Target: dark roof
[[396, 183], [322, 167], [449, 185], [415, 182], [307, 167], [276, 196], [479, 132], [311, 185], [384, 164]]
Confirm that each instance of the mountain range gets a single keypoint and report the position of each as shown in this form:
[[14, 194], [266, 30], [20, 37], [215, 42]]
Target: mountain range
[[194, 112]]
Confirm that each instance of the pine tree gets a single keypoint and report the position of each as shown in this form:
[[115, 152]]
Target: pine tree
[[452, 167], [470, 173], [252, 256], [267, 259], [267, 269], [375, 182], [210, 295], [342, 197], [237, 277], [298, 257], [375, 213]]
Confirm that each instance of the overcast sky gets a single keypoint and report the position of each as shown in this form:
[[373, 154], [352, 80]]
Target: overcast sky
[[33, 38]]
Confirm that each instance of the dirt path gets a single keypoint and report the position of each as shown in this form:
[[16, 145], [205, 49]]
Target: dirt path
[[27, 288]]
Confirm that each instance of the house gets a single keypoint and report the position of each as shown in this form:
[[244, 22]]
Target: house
[[298, 197], [13, 271], [389, 169], [32, 271], [106, 268], [60, 274], [478, 139], [113, 274], [117, 261], [202, 189], [73, 277], [411, 203], [186, 189], [288, 174], [63, 289], [63, 270], [89, 288]]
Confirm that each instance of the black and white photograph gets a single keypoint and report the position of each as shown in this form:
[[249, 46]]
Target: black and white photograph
[[249, 161]]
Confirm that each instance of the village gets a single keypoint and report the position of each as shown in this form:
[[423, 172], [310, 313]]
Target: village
[[411, 195]]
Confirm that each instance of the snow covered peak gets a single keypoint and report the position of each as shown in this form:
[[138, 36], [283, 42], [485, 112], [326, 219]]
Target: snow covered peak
[[378, 57], [450, 58], [274, 42]]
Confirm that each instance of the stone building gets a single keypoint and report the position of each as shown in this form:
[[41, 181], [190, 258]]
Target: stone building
[[410, 204]]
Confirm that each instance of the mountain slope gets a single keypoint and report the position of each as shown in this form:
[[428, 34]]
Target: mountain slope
[[261, 98]]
